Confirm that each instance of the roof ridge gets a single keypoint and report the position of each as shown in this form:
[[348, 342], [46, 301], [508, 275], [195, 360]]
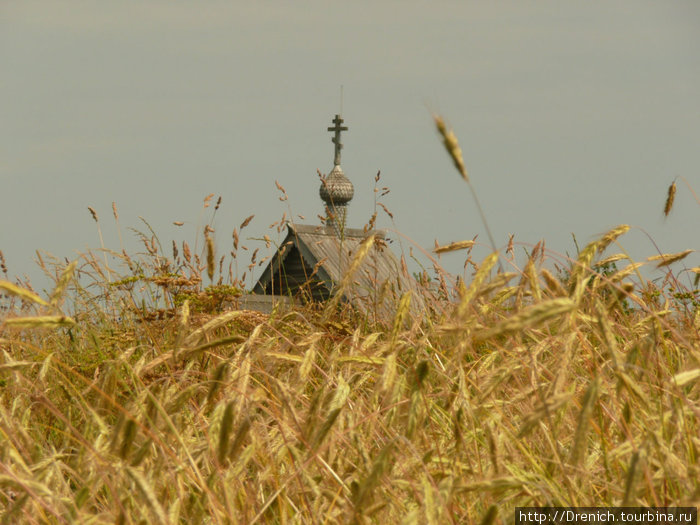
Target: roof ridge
[[327, 230]]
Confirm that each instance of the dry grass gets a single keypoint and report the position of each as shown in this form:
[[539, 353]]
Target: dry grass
[[517, 396], [144, 400]]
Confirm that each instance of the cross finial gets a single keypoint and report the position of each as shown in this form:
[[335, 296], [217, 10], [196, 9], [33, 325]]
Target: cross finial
[[336, 139]]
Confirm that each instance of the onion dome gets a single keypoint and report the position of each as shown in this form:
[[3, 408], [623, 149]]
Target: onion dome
[[336, 189]]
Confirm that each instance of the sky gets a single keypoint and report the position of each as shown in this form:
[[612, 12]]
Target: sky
[[573, 117]]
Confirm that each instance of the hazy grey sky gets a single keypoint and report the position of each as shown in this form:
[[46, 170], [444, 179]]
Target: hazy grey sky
[[574, 116]]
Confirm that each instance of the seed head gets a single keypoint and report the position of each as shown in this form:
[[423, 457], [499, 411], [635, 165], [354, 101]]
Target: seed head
[[449, 139], [669, 199], [210, 257]]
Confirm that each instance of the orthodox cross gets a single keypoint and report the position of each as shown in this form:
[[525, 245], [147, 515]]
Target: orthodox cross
[[336, 140]]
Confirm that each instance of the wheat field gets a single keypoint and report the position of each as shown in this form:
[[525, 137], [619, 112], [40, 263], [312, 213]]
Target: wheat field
[[134, 394]]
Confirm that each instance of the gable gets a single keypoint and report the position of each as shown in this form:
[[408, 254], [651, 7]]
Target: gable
[[292, 275], [316, 253]]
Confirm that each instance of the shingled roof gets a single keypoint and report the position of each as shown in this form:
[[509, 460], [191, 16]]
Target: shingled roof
[[313, 260]]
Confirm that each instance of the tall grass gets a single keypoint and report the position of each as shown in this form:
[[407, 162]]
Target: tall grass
[[152, 399]]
